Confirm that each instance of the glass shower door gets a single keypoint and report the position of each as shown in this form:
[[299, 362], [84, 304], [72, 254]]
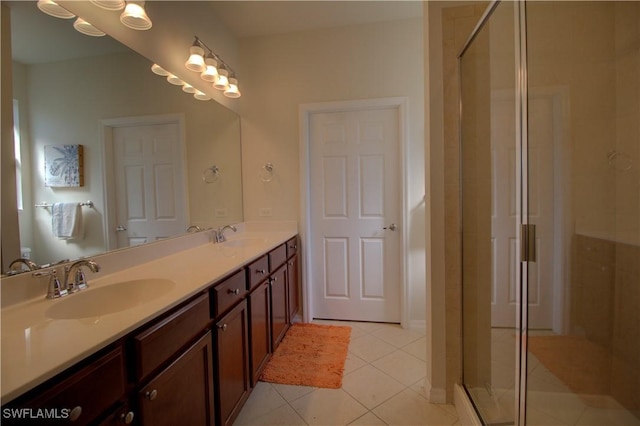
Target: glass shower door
[[490, 200]]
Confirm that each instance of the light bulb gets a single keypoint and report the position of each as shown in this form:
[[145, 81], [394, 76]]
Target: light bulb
[[187, 88], [52, 8], [201, 96], [174, 80], [157, 69], [211, 72], [86, 28], [232, 91], [222, 81], [135, 17], [196, 59], [109, 4]]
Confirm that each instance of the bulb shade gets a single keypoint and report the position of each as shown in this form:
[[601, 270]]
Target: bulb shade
[[232, 91], [211, 71], [187, 88], [135, 17], [222, 81], [201, 96], [174, 80], [196, 59], [54, 9], [157, 69], [86, 28], [109, 4]]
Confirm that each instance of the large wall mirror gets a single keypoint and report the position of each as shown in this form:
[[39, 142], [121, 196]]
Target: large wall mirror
[[107, 100]]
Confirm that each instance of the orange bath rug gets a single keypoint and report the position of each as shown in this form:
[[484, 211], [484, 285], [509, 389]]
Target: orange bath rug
[[310, 355]]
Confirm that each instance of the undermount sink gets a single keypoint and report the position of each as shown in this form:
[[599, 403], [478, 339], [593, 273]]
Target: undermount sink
[[243, 242], [109, 299]]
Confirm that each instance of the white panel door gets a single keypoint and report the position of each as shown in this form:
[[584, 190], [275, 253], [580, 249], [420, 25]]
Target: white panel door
[[149, 174], [506, 251], [355, 194]]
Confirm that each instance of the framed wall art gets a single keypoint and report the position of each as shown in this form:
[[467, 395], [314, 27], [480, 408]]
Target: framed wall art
[[63, 166]]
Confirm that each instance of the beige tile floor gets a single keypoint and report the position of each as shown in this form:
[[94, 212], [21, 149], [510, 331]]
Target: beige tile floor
[[382, 385]]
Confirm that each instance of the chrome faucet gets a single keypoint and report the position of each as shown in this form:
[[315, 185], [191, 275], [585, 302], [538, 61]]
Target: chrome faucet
[[55, 289], [79, 282], [14, 267], [194, 228], [219, 233]]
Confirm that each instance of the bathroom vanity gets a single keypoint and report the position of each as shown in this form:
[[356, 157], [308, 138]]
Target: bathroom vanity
[[191, 355]]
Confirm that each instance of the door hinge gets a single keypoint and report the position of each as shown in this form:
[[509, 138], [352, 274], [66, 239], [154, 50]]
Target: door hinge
[[528, 243]]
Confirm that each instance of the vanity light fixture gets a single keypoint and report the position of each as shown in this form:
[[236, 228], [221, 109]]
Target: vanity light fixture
[[52, 8], [134, 16], [212, 68], [86, 28]]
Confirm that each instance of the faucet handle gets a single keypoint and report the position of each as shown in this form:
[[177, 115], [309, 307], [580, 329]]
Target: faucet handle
[[55, 289]]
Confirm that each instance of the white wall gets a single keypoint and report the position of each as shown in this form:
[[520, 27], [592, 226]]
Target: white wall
[[346, 63]]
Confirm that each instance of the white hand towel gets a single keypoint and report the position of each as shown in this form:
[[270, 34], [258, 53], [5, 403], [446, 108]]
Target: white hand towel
[[66, 221]]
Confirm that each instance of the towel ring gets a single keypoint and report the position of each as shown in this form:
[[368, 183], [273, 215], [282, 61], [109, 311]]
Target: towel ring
[[211, 174], [266, 173]]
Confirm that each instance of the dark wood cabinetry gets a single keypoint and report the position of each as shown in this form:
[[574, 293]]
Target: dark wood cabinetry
[[183, 392], [195, 364], [260, 332], [232, 363]]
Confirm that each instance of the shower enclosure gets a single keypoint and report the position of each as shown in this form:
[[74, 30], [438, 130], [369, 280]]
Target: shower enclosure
[[550, 196]]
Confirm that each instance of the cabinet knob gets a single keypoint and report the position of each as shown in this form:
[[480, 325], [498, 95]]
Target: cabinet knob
[[75, 413], [127, 418], [261, 271], [293, 247], [222, 327], [151, 395], [236, 291]]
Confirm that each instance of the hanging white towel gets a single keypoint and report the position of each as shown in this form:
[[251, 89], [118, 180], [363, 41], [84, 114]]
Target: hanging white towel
[[66, 221]]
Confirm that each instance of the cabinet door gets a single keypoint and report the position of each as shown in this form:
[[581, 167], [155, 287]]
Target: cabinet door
[[182, 394], [232, 363], [279, 310], [260, 330], [293, 281]]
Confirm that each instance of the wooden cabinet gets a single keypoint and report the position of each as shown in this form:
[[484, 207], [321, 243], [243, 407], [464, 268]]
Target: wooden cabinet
[[260, 329], [182, 393], [279, 309], [83, 396], [293, 283], [232, 363]]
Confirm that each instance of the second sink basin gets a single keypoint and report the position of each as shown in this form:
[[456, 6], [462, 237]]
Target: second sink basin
[[243, 242], [109, 299]]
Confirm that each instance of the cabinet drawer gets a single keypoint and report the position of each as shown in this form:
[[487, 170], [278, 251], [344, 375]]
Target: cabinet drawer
[[277, 257], [292, 247], [258, 271], [158, 343], [88, 393], [228, 293]]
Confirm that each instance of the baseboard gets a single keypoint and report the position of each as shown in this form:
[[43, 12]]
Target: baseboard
[[466, 413], [434, 395], [420, 325]]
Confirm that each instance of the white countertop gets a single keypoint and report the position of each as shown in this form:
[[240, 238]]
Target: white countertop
[[36, 347]]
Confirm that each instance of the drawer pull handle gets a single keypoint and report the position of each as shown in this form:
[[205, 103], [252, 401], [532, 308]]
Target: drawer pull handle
[[261, 271], [151, 395], [236, 291], [127, 419], [222, 327], [293, 247], [75, 413]]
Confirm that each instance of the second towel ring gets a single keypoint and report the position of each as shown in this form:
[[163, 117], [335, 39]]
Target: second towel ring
[[266, 174], [210, 174]]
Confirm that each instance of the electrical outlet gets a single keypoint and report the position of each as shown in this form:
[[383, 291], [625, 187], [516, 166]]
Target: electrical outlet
[[265, 212], [221, 213]]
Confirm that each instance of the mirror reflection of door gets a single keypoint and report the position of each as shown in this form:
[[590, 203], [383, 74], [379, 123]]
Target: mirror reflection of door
[[148, 168]]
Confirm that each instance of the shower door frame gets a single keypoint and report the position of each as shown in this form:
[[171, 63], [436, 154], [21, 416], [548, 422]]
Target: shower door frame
[[522, 200]]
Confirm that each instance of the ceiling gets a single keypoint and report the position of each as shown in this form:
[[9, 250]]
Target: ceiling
[[241, 18]]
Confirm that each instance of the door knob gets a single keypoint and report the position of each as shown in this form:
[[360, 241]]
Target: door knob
[[391, 227], [120, 228]]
